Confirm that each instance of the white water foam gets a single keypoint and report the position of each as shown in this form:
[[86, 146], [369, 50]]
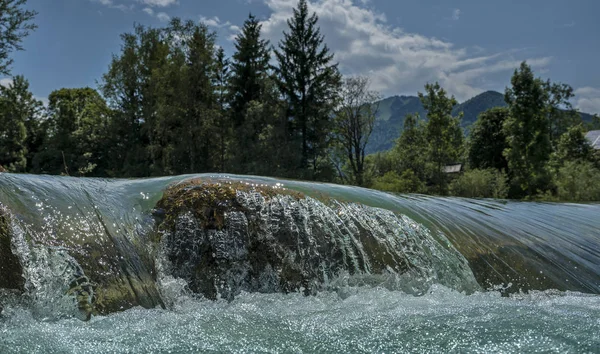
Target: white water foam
[[370, 320]]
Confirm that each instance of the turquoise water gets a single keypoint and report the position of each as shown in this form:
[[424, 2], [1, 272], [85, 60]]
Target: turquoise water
[[549, 249], [360, 321]]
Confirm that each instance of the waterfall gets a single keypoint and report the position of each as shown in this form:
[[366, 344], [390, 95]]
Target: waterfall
[[78, 247]]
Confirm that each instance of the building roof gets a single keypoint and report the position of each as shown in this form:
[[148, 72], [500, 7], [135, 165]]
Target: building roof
[[594, 137], [454, 168]]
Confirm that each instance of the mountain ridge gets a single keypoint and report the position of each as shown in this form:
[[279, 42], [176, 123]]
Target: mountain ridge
[[392, 111]]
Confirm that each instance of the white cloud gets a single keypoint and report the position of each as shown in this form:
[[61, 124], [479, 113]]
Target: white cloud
[[6, 82], [163, 17], [216, 22], [149, 11], [397, 61], [111, 4], [456, 14], [587, 99], [158, 3]]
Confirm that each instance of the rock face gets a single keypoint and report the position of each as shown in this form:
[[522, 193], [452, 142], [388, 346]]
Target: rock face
[[226, 238], [11, 278], [75, 274], [10, 268]]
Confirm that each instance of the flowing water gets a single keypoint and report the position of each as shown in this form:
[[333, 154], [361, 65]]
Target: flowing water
[[537, 265]]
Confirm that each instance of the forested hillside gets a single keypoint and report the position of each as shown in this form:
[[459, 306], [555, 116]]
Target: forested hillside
[[393, 110], [172, 102]]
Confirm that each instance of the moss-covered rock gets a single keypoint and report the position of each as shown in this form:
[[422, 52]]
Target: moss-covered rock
[[11, 272], [98, 274], [224, 237]]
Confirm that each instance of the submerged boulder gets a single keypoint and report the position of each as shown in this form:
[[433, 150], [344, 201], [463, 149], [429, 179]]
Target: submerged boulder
[[63, 274], [224, 238], [11, 273], [11, 278]]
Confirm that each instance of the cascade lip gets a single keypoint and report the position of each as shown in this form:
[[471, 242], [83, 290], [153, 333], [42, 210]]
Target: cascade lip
[[494, 260], [257, 237]]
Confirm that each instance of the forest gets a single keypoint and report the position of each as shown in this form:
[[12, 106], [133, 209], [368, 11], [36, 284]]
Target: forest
[[171, 102]]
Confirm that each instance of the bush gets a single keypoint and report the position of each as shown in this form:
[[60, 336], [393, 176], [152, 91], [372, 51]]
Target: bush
[[578, 181], [408, 182], [488, 183]]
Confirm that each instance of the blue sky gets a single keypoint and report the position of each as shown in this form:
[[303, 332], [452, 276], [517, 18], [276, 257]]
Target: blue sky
[[469, 46]]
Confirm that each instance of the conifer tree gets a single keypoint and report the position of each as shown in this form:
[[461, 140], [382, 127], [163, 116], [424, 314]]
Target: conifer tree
[[200, 123], [250, 71], [221, 86], [249, 68], [309, 81]]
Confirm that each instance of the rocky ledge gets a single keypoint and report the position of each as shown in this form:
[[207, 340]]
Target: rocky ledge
[[225, 237]]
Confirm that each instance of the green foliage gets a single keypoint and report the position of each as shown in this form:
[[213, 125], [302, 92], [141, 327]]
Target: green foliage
[[224, 126], [578, 181], [442, 133], [250, 86], [162, 86], [15, 25], [76, 130], [249, 69], [172, 103], [488, 141], [310, 84], [561, 115], [573, 145], [527, 130], [411, 148], [594, 123], [354, 122], [20, 133], [485, 183], [408, 182]]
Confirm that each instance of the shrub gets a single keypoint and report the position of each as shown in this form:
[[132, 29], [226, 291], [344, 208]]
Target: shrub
[[488, 183], [408, 182], [578, 181]]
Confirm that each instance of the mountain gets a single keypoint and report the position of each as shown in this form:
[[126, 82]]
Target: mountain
[[392, 110], [390, 120], [471, 108]]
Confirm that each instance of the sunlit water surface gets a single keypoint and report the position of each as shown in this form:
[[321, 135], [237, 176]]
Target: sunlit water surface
[[353, 321], [558, 241]]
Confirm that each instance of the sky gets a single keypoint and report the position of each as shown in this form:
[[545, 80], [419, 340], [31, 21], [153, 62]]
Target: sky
[[468, 46]]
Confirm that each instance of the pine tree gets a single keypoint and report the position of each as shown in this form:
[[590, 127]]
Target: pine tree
[[310, 83], [221, 85], [249, 68], [200, 123], [249, 71]]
